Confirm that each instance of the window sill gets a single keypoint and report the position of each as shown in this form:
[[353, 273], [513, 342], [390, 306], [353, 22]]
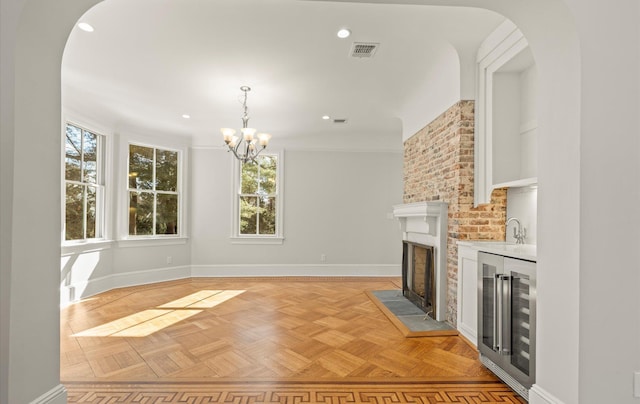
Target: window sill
[[74, 247], [257, 240], [151, 241]]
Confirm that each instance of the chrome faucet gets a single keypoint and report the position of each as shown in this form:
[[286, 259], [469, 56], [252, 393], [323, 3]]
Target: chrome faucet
[[520, 233]]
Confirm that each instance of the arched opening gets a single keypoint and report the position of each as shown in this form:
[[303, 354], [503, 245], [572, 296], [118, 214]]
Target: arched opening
[[37, 93]]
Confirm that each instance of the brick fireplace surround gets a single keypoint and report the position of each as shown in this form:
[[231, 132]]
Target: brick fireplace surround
[[438, 166]]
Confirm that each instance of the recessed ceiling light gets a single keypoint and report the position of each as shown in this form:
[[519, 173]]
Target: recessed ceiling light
[[85, 27], [344, 33], [186, 116], [326, 117]]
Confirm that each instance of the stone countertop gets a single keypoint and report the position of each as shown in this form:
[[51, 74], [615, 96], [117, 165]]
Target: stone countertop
[[520, 251]]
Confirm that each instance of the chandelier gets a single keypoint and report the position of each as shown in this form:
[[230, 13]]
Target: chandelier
[[248, 147]]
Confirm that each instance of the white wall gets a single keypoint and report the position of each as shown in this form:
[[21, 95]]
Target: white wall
[[506, 127], [30, 131], [79, 266], [91, 269], [529, 123], [8, 33], [522, 203], [443, 79], [610, 197], [335, 203]]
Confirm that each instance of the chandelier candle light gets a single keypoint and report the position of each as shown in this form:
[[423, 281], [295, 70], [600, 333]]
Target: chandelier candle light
[[249, 151]]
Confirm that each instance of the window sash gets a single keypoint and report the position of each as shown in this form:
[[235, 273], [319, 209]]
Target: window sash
[[256, 223], [274, 197], [86, 181], [156, 195]]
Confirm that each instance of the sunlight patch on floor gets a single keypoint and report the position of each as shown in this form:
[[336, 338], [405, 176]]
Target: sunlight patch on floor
[[146, 322], [212, 300], [146, 328]]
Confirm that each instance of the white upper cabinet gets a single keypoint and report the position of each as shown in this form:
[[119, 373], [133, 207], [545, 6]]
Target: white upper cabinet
[[506, 113]]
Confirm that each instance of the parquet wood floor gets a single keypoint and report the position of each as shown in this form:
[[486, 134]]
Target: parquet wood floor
[[285, 340]]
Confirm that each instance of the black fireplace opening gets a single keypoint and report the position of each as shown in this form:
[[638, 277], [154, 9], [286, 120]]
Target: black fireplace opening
[[418, 276]]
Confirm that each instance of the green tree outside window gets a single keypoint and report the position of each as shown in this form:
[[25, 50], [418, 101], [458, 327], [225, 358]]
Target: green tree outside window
[[258, 193], [82, 184], [153, 191]]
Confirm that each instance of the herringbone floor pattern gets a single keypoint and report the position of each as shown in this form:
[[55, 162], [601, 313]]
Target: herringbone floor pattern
[[293, 340]]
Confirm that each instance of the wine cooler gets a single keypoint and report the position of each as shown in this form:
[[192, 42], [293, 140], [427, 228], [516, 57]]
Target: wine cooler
[[507, 319]]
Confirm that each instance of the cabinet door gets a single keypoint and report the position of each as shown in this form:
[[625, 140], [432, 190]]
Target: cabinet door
[[468, 293]]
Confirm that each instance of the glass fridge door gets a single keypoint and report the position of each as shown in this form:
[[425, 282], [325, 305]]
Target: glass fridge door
[[490, 267], [520, 322], [521, 275]]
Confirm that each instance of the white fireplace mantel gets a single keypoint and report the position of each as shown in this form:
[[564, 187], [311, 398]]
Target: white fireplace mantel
[[426, 223], [426, 218]]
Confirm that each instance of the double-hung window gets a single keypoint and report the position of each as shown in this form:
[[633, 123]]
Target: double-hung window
[[258, 204], [84, 184], [153, 191]]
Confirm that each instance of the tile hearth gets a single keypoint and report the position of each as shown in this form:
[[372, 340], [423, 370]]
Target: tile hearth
[[410, 319]]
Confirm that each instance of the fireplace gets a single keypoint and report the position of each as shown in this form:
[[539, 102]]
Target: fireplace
[[418, 276], [424, 260]]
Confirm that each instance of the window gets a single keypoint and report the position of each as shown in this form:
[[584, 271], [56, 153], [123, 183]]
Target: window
[[153, 191], [258, 202], [84, 184]]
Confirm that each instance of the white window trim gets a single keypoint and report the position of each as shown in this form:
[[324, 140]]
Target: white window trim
[[266, 239], [104, 165], [76, 248], [141, 241], [126, 240]]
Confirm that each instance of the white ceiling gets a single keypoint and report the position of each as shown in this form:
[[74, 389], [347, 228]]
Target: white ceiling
[[148, 62]]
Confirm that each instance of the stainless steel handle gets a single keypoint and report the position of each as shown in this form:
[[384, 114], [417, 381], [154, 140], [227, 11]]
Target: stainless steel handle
[[505, 329], [497, 315]]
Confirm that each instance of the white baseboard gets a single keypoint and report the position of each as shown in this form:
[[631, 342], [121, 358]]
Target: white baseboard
[[538, 395], [259, 270], [57, 395], [82, 290], [151, 276], [468, 333]]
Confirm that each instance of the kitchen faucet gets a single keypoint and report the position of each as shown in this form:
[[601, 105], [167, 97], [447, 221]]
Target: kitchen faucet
[[520, 234]]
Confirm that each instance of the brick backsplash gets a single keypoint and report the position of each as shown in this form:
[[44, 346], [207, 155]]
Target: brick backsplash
[[438, 166]]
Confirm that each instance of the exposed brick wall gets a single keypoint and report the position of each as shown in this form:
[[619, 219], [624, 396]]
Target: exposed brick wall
[[438, 166]]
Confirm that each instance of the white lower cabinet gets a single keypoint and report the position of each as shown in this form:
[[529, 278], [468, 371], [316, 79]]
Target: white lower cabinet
[[467, 318]]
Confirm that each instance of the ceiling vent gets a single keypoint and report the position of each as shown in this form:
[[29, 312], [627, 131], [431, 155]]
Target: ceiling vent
[[340, 120], [364, 49]]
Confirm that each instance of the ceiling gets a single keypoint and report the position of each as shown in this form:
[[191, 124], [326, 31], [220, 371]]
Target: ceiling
[[148, 62]]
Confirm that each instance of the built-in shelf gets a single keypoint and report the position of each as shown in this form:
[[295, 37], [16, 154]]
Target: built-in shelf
[[523, 182], [506, 113]]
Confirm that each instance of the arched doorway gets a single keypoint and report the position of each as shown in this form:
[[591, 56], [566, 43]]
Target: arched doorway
[[31, 126]]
